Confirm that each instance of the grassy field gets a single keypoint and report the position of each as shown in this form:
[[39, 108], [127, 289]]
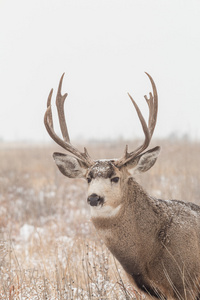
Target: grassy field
[[48, 246]]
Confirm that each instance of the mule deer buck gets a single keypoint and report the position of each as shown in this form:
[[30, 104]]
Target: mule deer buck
[[157, 242]]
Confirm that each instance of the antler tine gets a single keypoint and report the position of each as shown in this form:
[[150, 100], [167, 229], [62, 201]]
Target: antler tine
[[50, 118], [153, 106], [48, 121], [145, 130], [60, 100], [152, 102]]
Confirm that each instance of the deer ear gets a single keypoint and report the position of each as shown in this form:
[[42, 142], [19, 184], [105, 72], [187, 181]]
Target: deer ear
[[70, 166], [144, 162]]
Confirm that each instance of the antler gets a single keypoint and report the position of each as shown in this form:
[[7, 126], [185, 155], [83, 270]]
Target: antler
[[152, 102], [48, 121]]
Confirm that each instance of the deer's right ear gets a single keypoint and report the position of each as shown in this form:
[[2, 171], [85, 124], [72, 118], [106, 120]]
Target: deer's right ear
[[70, 166]]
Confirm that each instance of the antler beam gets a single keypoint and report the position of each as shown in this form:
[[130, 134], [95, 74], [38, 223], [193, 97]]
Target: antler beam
[[148, 130], [152, 102], [48, 121]]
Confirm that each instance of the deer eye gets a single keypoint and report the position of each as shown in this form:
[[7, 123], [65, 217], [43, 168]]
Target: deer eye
[[115, 179], [89, 179]]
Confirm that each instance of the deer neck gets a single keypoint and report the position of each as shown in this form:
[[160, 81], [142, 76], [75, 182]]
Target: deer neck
[[128, 217], [131, 227]]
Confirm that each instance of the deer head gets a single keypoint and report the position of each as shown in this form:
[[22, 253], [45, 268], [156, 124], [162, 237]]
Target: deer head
[[106, 178]]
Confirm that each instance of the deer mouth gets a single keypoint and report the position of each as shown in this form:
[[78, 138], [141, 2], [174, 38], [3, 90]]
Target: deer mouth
[[95, 200]]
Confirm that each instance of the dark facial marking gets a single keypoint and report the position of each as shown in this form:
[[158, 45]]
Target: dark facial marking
[[103, 169]]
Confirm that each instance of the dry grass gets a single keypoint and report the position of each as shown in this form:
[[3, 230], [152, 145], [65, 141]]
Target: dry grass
[[48, 246]]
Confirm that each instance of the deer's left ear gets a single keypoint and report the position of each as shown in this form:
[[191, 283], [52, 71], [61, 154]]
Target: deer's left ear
[[144, 161]]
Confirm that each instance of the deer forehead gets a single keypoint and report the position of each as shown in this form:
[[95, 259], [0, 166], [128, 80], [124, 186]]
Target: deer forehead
[[102, 169]]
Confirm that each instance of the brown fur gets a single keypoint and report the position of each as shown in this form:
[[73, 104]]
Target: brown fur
[[155, 241]]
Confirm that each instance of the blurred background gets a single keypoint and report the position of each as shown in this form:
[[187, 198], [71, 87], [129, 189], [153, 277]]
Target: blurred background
[[104, 47], [48, 245]]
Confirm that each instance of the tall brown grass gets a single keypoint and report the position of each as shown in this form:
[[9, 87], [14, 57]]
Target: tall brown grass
[[48, 246]]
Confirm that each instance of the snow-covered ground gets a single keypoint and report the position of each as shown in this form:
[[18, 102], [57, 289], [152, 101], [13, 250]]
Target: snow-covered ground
[[48, 246]]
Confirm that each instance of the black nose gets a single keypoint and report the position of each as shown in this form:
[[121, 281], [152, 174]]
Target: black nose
[[95, 200]]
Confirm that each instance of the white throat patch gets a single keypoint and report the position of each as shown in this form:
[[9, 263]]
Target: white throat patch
[[105, 211]]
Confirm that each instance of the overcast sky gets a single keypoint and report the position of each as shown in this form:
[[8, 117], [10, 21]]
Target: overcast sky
[[104, 47]]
